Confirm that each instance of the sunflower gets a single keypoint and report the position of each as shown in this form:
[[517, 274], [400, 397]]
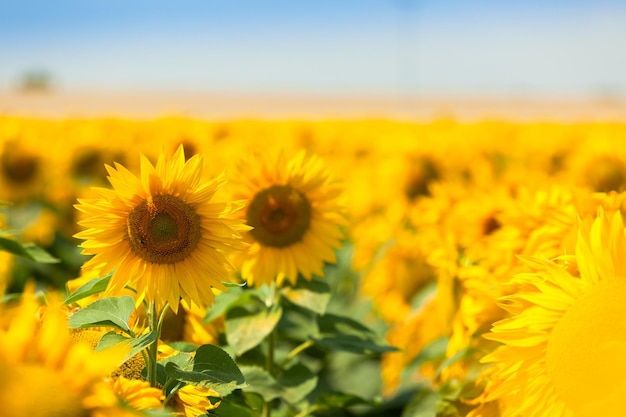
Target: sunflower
[[563, 347], [62, 377], [295, 211], [137, 393], [192, 401], [161, 233], [188, 326], [24, 168]]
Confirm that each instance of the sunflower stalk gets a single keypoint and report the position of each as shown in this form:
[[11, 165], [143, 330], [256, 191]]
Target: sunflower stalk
[[155, 320], [269, 366], [274, 298]]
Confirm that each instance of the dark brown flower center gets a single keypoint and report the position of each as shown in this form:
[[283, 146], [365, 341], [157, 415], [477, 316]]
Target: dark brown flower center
[[422, 172], [163, 229], [606, 174], [280, 215], [19, 167]]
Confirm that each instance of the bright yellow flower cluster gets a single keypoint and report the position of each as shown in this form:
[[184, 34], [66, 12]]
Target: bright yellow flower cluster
[[45, 372], [502, 242]]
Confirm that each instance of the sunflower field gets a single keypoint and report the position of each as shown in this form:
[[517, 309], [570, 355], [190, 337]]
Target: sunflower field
[[182, 267]]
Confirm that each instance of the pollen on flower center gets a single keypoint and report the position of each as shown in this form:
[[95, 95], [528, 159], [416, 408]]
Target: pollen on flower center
[[163, 229], [280, 215]]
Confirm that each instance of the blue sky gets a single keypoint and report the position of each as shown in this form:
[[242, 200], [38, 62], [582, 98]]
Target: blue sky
[[319, 46]]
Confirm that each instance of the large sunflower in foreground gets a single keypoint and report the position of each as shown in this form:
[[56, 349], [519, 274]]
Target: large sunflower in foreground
[[45, 373], [160, 232], [563, 352], [295, 211]]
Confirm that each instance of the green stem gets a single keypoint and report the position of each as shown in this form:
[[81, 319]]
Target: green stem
[[153, 321], [296, 351], [308, 411], [269, 362], [161, 320], [269, 367], [271, 342]]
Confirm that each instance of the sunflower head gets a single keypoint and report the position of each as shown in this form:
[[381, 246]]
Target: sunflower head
[[23, 169], [44, 371], [161, 232], [19, 167], [562, 347], [606, 173], [280, 216], [422, 171], [295, 211], [163, 229]]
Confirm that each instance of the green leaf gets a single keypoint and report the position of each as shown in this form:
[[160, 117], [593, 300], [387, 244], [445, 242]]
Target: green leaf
[[27, 250], [261, 382], [106, 312], [330, 400], [353, 373], [212, 368], [225, 301], [314, 294], [183, 346], [297, 382], [424, 403], [95, 286], [240, 404], [183, 360], [297, 323], [246, 329], [447, 409], [345, 334], [229, 284], [350, 343], [153, 413], [135, 344], [435, 351], [292, 385], [111, 338]]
